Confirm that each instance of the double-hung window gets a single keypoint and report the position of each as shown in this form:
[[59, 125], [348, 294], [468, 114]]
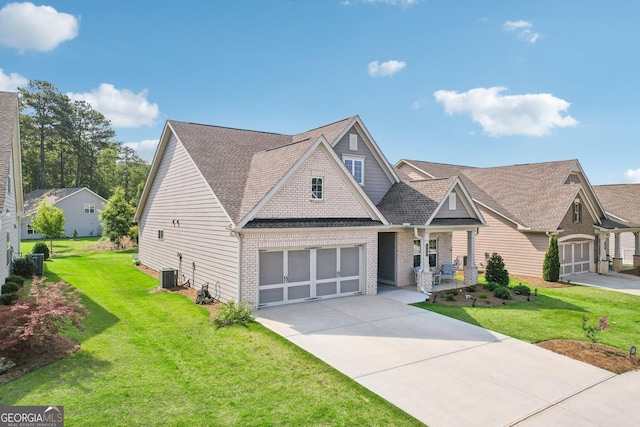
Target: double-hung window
[[89, 207], [356, 167], [317, 190]]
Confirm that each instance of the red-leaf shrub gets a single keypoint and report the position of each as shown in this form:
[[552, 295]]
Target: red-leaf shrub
[[32, 320]]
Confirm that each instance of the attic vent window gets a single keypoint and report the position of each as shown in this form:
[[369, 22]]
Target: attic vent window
[[453, 201], [576, 211], [353, 142]]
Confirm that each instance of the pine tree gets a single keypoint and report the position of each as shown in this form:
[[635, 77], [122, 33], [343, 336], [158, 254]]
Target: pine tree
[[551, 264]]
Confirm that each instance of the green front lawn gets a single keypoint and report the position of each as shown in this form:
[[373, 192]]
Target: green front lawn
[[60, 246], [155, 359], [557, 314]]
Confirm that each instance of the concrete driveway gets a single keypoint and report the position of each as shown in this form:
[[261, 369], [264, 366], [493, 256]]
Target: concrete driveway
[[620, 282], [446, 372]]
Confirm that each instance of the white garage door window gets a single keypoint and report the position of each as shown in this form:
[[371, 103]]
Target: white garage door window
[[575, 258], [306, 274]]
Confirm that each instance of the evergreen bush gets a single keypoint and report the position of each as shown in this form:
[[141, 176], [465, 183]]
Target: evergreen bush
[[551, 263], [495, 271], [41, 248], [502, 292], [22, 267]]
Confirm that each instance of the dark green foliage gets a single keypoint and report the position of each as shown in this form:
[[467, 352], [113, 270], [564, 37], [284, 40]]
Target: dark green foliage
[[22, 267], [450, 296], [471, 288], [495, 271], [502, 292], [19, 280], [522, 289], [117, 217], [551, 264], [233, 314], [41, 248], [8, 298], [10, 287], [490, 286]]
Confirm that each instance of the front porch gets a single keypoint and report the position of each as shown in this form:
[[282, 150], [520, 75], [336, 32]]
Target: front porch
[[410, 294]]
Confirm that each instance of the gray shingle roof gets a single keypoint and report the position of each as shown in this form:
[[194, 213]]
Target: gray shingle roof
[[621, 200], [414, 202], [52, 195], [8, 122], [533, 195], [241, 166]]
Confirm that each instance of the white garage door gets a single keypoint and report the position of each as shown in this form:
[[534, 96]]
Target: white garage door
[[575, 257], [306, 274]]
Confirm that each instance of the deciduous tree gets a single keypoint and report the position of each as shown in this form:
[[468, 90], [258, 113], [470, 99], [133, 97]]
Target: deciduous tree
[[48, 221]]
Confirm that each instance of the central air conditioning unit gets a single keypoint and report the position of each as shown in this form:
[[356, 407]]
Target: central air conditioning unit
[[168, 278]]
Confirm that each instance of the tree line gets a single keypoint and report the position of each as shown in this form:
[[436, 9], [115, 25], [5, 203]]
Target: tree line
[[69, 144]]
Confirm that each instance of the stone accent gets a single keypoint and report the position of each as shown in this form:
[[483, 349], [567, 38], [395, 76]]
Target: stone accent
[[636, 261], [253, 242], [617, 264], [470, 275]]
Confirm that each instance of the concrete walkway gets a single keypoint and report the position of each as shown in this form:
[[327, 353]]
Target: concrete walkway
[[449, 373], [620, 282]]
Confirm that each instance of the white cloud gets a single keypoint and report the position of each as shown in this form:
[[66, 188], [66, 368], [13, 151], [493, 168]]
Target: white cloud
[[11, 82], [27, 26], [123, 107], [501, 115], [523, 29], [145, 149], [389, 68], [632, 176]]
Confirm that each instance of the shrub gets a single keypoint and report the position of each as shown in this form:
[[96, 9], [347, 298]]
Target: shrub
[[232, 313], [551, 263], [483, 296], [15, 279], [502, 292], [522, 289], [32, 321], [490, 286], [591, 330], [75, 234], [22, 267], [41, 248], [7, 298], [495, 271], [450, 296], [471, 288], [10, 287]]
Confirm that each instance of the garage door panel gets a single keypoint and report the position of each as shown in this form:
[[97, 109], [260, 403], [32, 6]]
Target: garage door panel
[[327, 288], [299, 269], [270, 296], [349, 262], [271, 268], [298, 292], [349, 286], [326, 263]]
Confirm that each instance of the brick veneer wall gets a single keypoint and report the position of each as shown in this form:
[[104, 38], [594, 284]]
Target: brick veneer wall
[[253, 242]]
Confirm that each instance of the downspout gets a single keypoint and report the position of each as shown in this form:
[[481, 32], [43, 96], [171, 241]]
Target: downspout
[[239, 266]]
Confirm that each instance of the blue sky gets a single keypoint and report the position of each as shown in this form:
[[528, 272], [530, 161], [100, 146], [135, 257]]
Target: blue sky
[[478, 83]]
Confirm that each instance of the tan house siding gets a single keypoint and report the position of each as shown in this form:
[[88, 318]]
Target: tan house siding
[[253, 242], [293, 199], [460, 210], [523, 253], [179, 193], [9, 235]]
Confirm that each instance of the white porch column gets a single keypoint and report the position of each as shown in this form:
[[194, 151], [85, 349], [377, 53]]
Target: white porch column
[[470, 270], [425, 283], [603, 263], [617, 258], [636, 254]]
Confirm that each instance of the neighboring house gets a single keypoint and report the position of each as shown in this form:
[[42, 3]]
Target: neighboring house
[[80, 205], [526, 204], [11, 204], [273, 219], [622, 203]]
